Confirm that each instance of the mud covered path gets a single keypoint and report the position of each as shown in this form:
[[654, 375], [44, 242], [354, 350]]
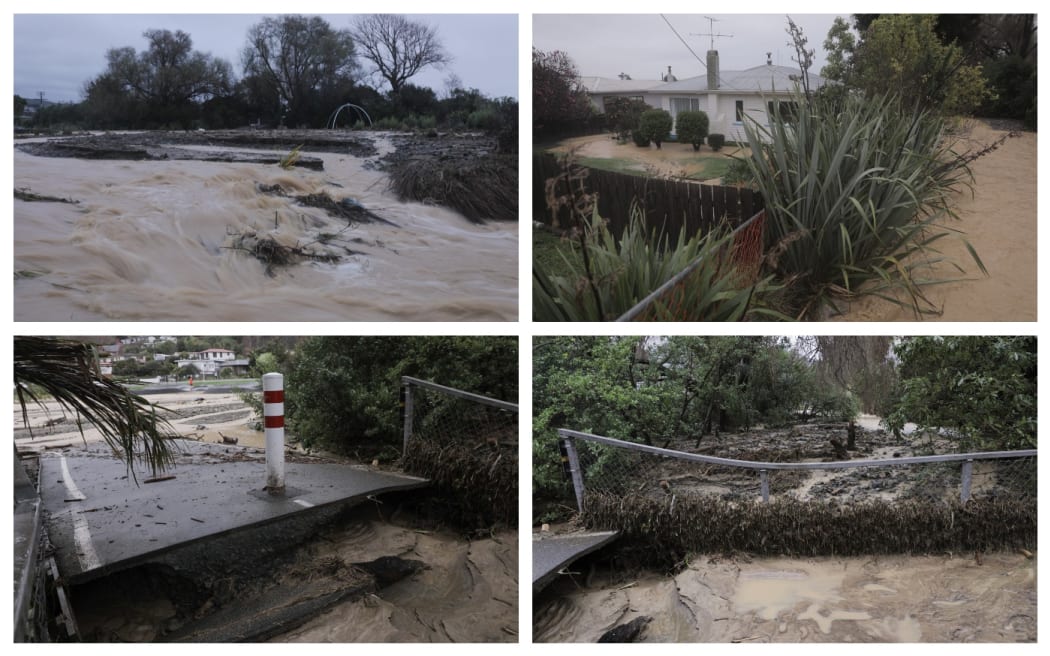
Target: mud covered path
[[937, 598]]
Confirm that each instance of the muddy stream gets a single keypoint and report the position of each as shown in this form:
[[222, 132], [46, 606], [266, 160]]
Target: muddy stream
[[152, 240]]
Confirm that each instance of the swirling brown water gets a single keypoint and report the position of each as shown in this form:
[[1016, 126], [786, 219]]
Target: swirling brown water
[[149, 241]]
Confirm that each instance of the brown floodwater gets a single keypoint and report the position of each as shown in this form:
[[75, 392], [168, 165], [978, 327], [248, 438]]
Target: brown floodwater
[[151, 240]]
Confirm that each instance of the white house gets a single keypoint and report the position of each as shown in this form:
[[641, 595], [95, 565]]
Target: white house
[[208, 361], [726, 96]]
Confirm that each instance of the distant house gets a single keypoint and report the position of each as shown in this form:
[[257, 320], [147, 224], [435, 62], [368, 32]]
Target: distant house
[[207, 362], [726, 96]]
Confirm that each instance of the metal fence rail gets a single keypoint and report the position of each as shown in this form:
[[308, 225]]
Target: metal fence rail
[[433, 411], [631, 468], [745, 251]]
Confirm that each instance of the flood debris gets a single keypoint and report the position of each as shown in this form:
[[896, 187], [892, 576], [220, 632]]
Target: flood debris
[[274, 255], [480, 188], [24, 194], [629, 632], [478, 486], [462, 172], [345, 208]]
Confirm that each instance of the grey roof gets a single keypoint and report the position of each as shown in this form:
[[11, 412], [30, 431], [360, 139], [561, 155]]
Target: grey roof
[[760, 79]]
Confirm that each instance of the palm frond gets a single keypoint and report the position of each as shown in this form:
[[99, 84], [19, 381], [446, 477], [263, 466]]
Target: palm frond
[[66, 370]]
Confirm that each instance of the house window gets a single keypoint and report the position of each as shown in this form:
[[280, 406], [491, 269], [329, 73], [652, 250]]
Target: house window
[[684, 105], [740, 111]]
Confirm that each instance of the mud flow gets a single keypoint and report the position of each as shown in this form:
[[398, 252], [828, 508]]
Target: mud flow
[[937, 598], [364, 575]]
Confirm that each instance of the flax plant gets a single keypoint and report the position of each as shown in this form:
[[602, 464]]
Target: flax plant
[[611, 276], [856, 195], [67, 371]]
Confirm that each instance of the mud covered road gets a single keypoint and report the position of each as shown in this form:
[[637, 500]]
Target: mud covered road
[[937, 598]]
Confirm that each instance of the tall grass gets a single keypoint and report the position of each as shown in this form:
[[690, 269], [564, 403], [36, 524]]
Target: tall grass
[[608, 276], [855, 195]]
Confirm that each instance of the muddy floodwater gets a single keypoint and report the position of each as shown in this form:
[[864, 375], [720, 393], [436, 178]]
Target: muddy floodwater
[[936, 598], [155, 240]]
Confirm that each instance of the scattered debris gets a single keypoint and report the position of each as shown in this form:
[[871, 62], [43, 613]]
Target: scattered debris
[[28, 196]]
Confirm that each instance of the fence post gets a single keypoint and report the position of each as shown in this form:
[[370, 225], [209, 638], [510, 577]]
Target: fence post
[[967, 479], [406, 390], [574, 470], [273, 420], [764, 476]]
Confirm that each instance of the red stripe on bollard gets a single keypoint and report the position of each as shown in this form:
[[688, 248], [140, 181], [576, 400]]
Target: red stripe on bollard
[[273, 396], [275, 422]]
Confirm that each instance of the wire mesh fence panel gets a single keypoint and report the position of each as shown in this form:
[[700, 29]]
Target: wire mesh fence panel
[[467, 444], [915, 503]]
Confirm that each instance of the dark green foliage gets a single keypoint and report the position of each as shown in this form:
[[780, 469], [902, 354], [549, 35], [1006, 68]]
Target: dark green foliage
[[658, 390], [622, 115], [656, 124], [738, 173], [855, 193], [655, 533], [342, 392], [716, 141], [640, 139], [692, 128], [982, 388], [559, 101], [477, 487]]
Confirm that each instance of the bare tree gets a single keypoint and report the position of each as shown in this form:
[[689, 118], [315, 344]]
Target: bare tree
[[398, 48]]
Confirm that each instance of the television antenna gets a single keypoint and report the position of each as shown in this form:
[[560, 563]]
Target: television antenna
[[712, 33]]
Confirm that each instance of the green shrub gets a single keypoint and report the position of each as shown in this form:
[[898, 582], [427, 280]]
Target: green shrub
[[483, 119], [692, 127], [640, 140], [622, 273], [854, 194], [716, 141], [737, 173], [655, 125]]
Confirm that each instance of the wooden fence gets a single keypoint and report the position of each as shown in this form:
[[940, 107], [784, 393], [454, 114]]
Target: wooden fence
[[671, 204]]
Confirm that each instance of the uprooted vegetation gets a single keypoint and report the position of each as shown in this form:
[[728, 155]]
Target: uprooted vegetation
[[275, 250], [465, 174]]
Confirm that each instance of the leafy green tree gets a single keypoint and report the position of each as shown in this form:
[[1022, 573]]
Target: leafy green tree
[[902, 54], [661, 390], [981, 390], [559, 101], [692, 128], [622, 115], [342, 392], [655, 124], [20, 106], [168, 79], [298, 61]]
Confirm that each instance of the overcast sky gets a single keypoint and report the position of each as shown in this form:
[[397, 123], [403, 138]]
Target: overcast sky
[[58, 53], [644, 45]]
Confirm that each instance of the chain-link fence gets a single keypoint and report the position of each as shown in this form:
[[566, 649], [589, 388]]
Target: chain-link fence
[[467, 445], [992, 495]]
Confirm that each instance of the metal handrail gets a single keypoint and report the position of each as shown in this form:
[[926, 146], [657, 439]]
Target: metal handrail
[[763, 468]]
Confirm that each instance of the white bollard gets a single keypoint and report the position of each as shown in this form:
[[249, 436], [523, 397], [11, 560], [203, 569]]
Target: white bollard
[[273, 418]]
